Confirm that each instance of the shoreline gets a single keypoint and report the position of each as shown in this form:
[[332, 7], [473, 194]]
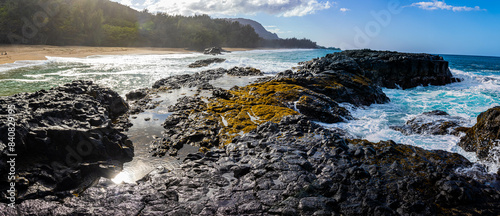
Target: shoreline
[[39, 52]]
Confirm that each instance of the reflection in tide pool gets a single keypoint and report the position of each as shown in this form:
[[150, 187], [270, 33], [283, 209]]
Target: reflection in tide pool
[[148, 125]]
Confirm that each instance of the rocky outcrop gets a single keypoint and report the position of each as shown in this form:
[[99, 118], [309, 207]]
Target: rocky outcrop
[[339, 85], [200, 79], [213, 51], [206, 62], [137, 94], [244, 71], [484, 137], [436, 122], [292, 167], [387, 69], [65, 139], [231, 113]]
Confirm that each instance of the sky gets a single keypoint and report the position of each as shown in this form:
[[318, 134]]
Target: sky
[[469, 27]]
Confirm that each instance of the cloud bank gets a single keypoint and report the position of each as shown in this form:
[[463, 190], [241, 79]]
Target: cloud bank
[[441, 5], [286, 8]]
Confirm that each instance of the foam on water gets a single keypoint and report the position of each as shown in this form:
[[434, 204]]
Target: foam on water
[[124, 73]]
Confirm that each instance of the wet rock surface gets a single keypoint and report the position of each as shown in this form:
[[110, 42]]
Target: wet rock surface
[[246, 71], [339, 85], [293, 167], [206, 62], [435, 123], [213, 51], [65, 139], [142, 99], [484, 137], [387, 69], [202, 79]]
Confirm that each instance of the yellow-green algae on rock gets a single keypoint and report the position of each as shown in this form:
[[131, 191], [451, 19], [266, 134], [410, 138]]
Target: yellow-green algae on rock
[[254, 104]]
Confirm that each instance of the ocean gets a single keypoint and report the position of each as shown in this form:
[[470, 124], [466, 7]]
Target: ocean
[[479, 90]]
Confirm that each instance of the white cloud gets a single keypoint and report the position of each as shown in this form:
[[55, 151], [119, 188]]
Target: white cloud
[[441, 5], [344, 9], [286, 8]]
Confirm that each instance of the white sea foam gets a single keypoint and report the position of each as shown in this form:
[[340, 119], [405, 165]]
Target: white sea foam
[[21, 64]]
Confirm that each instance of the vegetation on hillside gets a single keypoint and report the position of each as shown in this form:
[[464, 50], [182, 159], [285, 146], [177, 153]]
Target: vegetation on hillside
[[106, 23]]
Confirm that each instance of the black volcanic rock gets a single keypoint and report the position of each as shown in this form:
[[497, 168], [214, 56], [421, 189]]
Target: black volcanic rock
[[435, 122], [387, 69], [339, 85], [65, 138], [247, 71], [213, 51], [136, 95], [206, 62], [189, 80], [200, 79], [293, 167], [484, 137]]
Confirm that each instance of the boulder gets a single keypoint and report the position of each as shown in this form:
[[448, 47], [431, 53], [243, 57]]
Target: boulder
[[484, 137], [213, 51], [436, 122], [247, 71], [136, 95], [206, 62], [65, 138], [189, 80], [339, 85]]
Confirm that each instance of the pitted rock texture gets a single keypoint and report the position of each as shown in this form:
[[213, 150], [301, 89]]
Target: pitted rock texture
[[435, 123], [65, 139], [246, 71], [293, 167], [387, 69], [339, 85], [189, 80]]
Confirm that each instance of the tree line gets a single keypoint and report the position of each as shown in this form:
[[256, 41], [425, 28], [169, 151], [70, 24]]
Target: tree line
[[106, 23]]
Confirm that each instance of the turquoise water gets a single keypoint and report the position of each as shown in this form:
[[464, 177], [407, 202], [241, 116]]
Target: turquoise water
[[479, 91]]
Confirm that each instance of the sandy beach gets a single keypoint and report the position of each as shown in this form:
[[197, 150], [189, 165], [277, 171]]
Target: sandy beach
[[39, 52]]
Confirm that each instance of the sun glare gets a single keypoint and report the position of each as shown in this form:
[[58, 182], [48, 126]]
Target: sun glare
[[123, 177]]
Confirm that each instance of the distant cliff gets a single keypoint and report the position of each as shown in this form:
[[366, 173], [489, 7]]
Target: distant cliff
[[259, 29]]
